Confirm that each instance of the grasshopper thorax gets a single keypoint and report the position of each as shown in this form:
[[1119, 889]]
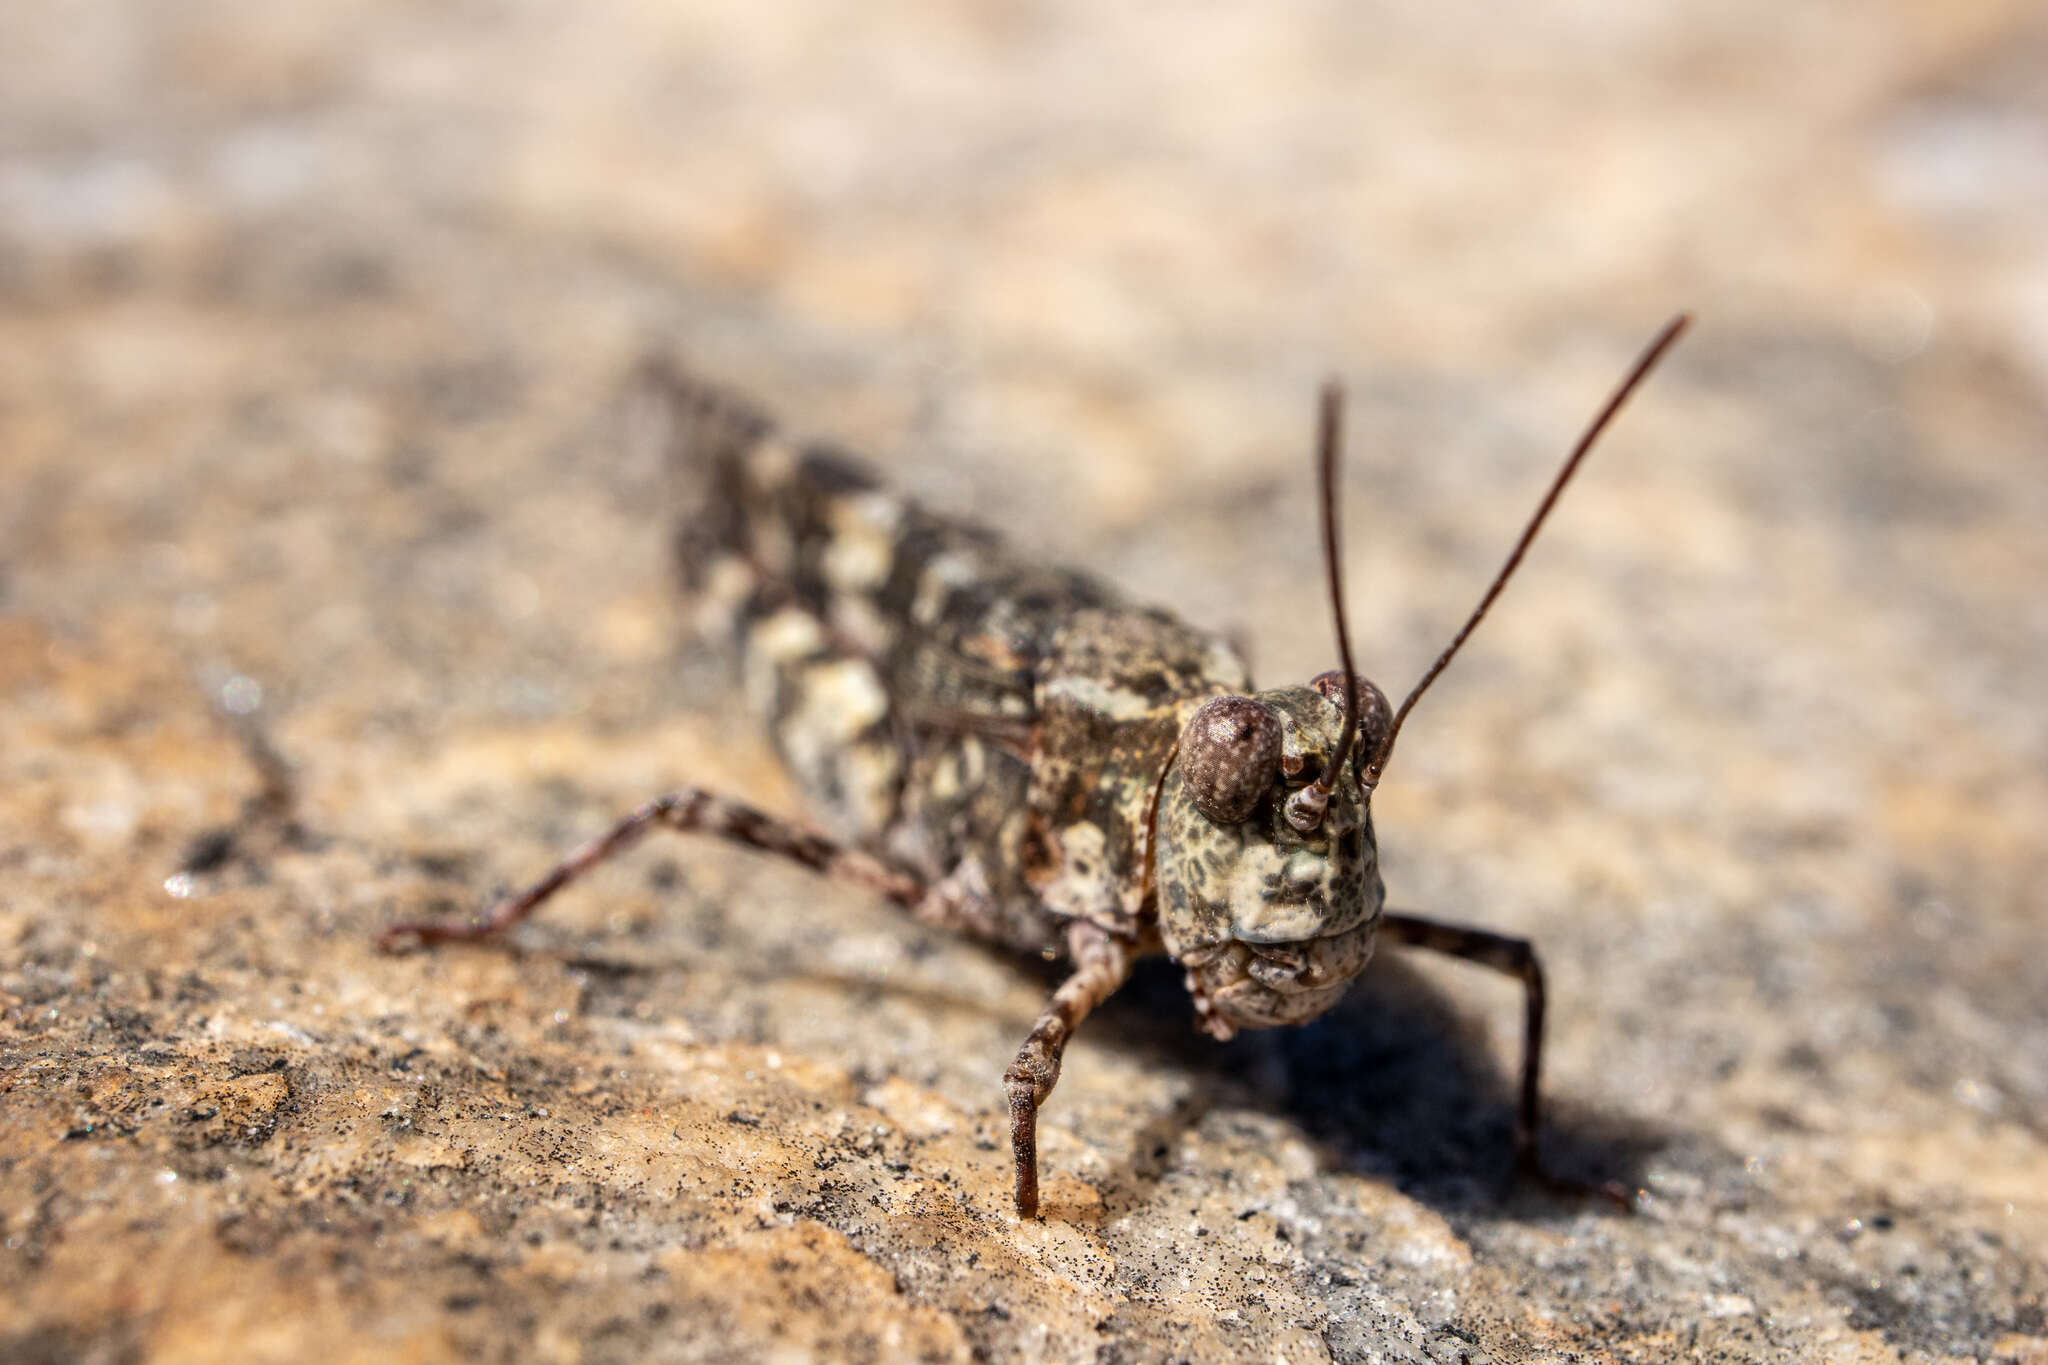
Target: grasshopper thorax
[[1271, 920]]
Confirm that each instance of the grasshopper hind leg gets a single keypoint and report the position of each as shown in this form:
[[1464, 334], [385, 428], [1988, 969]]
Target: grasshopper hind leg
[[690, 810], [956, 902], [1102, 961]]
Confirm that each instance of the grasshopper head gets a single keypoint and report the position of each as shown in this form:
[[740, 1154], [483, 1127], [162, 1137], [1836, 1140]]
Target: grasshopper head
[[1267, 878], [1266, 894]]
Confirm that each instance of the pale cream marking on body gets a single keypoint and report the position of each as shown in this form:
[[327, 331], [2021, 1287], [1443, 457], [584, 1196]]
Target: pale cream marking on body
[[837, 700], [944, 783], [962, 769], [773, 643], [867, 779], [1076, 888], [861, 622], [1116, 703], [862, 548], [1258, 920], [841, 699], [727, 582], [941, 576]]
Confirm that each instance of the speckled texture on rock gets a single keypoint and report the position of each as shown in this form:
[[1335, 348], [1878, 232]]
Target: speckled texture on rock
[[312, 318]]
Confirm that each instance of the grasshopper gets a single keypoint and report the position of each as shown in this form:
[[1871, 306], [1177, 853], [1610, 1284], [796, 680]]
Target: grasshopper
[[1013, 752]]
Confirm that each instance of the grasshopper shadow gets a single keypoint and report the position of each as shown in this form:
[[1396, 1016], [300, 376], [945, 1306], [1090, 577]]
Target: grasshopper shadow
[[1398, 1083]]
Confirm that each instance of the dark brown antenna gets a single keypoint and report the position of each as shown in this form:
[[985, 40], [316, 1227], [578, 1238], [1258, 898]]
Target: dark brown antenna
[[1650, 356], [1305, 808]]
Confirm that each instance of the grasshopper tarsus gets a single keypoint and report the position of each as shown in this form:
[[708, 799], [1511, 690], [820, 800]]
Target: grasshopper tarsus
[[1531, 1169], [1024, 1146], [1102, 963]]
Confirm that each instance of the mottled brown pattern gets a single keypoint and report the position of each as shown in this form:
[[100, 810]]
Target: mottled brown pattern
[[1009, 733], [842, 597], [1010, 752], [1110, 704]]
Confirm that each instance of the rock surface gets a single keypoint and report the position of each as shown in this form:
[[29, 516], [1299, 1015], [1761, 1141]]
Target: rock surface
[[313, 322]]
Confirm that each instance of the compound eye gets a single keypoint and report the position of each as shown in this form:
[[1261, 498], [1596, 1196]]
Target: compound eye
[[1229, 754], [1374, 715]]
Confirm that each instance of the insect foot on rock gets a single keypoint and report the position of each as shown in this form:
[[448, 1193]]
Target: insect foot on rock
[[1016, 753]]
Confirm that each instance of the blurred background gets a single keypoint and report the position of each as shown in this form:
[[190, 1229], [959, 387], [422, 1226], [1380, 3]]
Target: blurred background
[[314, 325]]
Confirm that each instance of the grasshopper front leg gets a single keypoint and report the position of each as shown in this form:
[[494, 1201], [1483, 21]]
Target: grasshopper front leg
[[1102, 963], [1514, 957]]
